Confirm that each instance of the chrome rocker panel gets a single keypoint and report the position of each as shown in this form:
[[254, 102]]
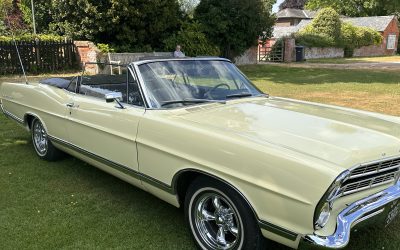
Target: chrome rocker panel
[[354, 214]]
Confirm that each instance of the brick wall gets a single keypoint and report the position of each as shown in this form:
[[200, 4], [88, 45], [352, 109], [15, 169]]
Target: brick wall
[[315, 53], [381, 50], [289, 51], [250, 56], [87, 52]]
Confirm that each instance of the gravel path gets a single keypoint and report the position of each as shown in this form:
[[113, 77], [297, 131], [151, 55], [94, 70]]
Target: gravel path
[[366, 65]]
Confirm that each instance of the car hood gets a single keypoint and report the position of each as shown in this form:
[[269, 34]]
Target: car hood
[[341, 136]]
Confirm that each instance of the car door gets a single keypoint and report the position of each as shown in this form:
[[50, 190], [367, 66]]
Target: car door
[[105, 131]]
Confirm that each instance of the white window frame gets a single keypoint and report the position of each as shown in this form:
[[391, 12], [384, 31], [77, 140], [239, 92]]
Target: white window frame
[[391, 41]]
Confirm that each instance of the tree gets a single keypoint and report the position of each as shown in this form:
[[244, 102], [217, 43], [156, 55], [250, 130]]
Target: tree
[[323, 31], [234, 25], [5, 7], [358, 8], [193, 41], [80, 19], [129, 25], [188, 6], [327, 22], [14, 18], [293, 4], [43, 14]]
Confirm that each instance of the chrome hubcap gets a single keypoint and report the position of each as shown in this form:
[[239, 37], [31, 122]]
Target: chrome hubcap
[[40, 138], [217, 222]]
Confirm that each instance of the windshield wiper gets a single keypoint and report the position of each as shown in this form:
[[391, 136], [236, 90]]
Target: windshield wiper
[[194, 101], [244, 95], [239, 95]]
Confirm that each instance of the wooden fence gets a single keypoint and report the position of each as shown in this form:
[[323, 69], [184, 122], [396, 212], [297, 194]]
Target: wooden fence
[[38, 57]]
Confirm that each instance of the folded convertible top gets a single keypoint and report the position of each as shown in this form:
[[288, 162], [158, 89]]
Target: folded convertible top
[[61, 83]]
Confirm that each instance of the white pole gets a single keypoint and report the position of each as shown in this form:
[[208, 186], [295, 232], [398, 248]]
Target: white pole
[[33, 18]]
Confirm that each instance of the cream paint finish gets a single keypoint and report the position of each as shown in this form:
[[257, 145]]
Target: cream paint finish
[[46, 103], [275, 151], [105, 130], [281, 154]]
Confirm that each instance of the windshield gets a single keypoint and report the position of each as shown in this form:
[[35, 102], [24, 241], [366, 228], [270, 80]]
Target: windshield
[[178, 83]]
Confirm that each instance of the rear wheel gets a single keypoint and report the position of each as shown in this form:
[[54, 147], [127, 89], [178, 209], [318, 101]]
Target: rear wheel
[[43, 146], [219, 218]]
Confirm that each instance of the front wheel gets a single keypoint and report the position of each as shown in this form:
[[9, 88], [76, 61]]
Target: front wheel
[[219, 218], [43, 146]]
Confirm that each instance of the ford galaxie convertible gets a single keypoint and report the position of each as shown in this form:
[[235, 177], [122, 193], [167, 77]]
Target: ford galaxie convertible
[[198, 134]]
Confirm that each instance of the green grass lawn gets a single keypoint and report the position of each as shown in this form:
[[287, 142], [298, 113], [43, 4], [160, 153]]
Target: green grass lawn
[[71, 205], [377, 59], [377, 91]]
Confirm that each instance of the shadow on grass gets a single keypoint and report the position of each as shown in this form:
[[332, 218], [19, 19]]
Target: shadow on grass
[[301, 76]]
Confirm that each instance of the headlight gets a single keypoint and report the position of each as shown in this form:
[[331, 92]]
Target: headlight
[[324, 207], [324, 215]]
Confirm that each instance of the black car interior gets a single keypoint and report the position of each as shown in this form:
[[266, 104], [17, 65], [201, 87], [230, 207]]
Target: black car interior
[[99, 85]]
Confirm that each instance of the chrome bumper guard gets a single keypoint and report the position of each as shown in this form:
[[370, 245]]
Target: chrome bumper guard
[[383, 206]]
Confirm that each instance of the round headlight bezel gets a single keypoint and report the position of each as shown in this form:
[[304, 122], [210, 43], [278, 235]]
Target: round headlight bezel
[[324, 216], [324, 207]]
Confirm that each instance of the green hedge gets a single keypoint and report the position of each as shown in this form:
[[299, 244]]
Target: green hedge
[[29, 37], [314, 40]]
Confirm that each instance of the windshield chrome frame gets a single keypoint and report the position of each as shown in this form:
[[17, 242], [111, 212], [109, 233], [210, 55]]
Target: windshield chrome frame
[[146, 92]]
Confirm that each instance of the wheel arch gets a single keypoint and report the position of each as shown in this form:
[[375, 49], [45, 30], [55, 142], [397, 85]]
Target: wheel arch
[[180, 185], [182, 180], [29, 118]]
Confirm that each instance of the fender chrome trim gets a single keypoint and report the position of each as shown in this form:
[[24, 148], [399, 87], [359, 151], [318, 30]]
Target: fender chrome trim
[[360, 211], [124, 169], [10, 115]]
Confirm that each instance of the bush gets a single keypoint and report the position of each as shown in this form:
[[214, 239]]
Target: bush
[[349, 33], [355, 37], [29, 37], [326, 24], [326, 30], [193, 41], [314, 40], [105, 48], [367, 36]]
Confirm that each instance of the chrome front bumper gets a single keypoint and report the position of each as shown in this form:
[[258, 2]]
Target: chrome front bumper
[[382, 207]]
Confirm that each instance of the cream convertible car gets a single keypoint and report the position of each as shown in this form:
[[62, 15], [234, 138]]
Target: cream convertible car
[[196, 133]]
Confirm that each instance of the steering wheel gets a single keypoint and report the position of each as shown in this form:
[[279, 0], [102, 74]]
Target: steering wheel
[[208, 93]]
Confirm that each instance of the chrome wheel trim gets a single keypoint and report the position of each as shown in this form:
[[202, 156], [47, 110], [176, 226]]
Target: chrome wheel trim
[[215, 220], [40, 139]]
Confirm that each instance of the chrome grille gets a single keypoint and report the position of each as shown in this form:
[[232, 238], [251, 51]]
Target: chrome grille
[[371, 175]]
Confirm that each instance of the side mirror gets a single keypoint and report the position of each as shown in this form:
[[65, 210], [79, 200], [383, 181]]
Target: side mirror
[[114, 97], [111, 97]]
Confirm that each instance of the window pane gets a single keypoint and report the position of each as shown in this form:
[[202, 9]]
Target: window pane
[[111, 79], [180, 80], [391, 42], [108, 79]]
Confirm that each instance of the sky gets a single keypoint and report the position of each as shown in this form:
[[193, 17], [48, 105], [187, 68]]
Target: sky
[[276, 6]]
